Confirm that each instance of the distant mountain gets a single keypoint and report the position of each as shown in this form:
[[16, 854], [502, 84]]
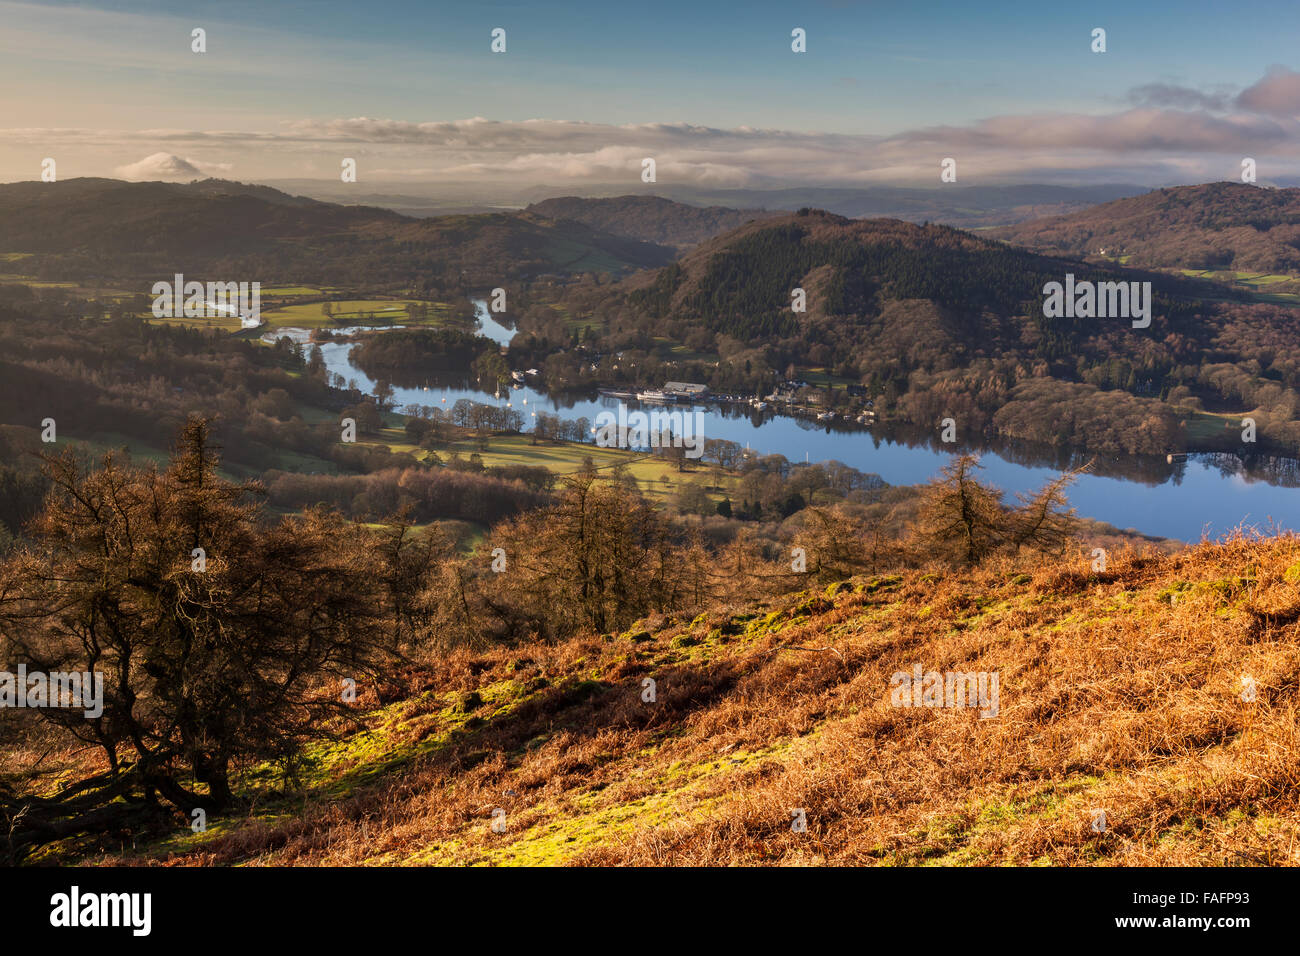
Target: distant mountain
[[95, 216], [649, 218], [419, 202], [84, 227], [967, 207], [1229, 226]]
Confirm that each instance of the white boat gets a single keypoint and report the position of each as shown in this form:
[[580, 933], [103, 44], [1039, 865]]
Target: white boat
[[652, 396], [826, 416], [759, 406]]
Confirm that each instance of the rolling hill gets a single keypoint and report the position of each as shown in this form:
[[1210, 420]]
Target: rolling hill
[[893, 289], [649, 218], [967, 207], [941, 323], [1215, 226], [86, 227], [1123, 735]]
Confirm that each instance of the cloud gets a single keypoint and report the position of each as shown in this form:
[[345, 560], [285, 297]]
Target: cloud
[[483, 134], [1132, 130], [1277, 94], [1173, 134], [165, 166], [1170, 96]]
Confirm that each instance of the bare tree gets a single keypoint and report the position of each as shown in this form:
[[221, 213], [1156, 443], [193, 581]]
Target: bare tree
[[839, 543], [221, 636], [958, 517], [1044, 522]]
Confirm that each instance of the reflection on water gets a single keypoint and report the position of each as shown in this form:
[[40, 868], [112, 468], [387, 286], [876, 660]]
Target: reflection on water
[[1207, 494], [489, 327]]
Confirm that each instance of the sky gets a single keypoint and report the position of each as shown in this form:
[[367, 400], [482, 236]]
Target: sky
[[712, 91]]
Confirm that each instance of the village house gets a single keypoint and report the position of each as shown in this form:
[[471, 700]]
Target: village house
[[685, 391]]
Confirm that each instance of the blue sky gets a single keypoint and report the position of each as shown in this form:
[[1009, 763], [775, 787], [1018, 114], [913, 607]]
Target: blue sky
[[874, 70]]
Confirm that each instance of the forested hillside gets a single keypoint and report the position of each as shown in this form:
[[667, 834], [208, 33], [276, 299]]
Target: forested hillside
[[1212, 226], [93, 227], [935, 323]]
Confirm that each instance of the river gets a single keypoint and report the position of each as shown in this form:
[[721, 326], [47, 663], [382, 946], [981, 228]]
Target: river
[[1207, 495]]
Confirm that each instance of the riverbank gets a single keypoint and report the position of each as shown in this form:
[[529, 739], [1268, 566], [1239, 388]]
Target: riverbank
[[1207, 495]]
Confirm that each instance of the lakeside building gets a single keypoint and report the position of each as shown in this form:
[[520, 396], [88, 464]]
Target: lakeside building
[[685, 391]]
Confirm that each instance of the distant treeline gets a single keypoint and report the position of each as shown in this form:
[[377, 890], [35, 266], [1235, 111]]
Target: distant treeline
[[409, 356]]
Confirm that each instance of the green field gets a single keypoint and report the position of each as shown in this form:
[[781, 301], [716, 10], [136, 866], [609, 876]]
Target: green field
[[566, 458], [1263, 286], [1245, 278], [670, 351], [227, 323], [1258, 284], [294, 290], [290, 314], [311, 315], [574, 322], [1208, 426], [820, 378]]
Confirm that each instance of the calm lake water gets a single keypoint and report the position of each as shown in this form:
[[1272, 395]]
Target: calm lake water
[[1207, 495]]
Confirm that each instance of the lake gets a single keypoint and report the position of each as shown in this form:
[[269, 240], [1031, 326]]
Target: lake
[[1207, 495]]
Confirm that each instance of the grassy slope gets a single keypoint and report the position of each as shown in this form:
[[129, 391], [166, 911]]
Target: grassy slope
[[311, 315], [1279, 289], [567, 458], [1120, 691]]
